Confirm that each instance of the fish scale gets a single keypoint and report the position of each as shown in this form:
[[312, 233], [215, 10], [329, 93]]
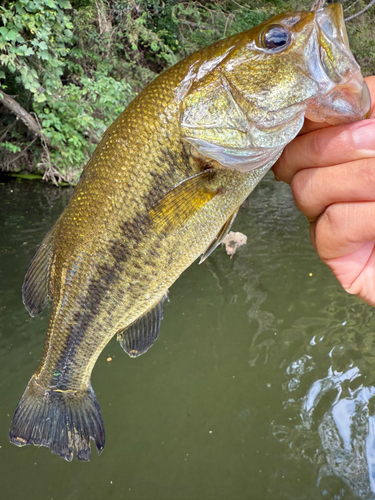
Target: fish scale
[[162, 188]]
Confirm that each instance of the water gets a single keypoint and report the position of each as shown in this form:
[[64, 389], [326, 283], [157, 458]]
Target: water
[[260, 387]]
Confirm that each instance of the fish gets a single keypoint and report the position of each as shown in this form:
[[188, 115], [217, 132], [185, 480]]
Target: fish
[[161, 190]]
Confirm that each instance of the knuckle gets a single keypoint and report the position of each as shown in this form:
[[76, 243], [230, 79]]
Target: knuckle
[[317, 143], [327, 230], [367, 172], [305, 189], [344, 143], [298, 188], [331, 143], [331, 217], [320, 239], [281, 167]]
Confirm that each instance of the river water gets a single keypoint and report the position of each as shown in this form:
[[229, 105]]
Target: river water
[[260, 386]]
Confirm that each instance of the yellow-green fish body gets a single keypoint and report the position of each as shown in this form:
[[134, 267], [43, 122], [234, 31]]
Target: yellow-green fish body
[[162, 188]]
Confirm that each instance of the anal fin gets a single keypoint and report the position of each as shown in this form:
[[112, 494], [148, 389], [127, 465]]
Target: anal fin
[[35, 288], [220, 236], [137, 338]]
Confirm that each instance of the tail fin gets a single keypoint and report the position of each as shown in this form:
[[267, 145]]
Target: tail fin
[[62, 421]]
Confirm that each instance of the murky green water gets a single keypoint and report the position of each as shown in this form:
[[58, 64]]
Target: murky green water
[[260, 386]]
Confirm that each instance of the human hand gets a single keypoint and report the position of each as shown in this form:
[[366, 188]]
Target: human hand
[[331, 171]]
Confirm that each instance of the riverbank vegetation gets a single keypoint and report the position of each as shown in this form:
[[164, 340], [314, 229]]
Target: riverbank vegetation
[[68, 68]]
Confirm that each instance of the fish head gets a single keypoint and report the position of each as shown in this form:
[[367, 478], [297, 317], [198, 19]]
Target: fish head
[[243, 102]]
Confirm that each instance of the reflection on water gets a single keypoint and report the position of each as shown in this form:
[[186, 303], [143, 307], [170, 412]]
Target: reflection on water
[[346, 429], [347, 436], [260, 387], [339, 411]]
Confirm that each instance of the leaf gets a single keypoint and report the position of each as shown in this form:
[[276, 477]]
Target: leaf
[[42, 45], [4, 31], [51, 4], [44, 54], [40, 98], [11, 35], [10, 147]]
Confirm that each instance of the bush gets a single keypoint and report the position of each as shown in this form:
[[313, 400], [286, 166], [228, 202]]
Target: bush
[[74, 66]]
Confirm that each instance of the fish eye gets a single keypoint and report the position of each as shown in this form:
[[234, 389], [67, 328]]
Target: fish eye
[[276, 37]]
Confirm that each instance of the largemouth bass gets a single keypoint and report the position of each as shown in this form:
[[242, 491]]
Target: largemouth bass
[[162, 189]]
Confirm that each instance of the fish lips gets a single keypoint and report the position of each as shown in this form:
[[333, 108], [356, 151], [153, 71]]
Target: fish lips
[[344, 96]]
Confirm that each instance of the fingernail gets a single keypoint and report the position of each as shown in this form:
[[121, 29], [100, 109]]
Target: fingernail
[[364, 136]]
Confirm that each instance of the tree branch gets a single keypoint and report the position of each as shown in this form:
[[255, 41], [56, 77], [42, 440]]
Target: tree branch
[[4, 134], [360, 12], [351, 6], [22, 152], [23, 115], [202, 26]]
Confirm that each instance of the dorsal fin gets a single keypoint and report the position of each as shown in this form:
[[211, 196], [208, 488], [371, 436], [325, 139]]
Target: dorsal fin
[[137, 338], [35, 288], [220, 236]]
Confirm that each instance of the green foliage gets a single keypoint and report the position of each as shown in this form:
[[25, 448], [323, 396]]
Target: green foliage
[[13, 148], [362, 42], [75, 120], [74, 96], [76, 65], [35, 39]]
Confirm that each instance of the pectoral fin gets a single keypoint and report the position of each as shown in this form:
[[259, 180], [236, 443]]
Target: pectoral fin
[[35, 288], [183, 201], [137, 338], [220, 236]]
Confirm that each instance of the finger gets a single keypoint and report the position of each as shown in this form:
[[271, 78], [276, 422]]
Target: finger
[[344, 238], [301, 148], [314, 189], [356, 272], [326, 147], [310, 126], [343, 228]]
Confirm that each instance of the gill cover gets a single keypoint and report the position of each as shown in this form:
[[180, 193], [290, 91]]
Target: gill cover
[[243, 107]]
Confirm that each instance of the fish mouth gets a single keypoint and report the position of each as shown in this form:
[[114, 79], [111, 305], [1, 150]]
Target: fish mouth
[[345, 103], [346, 97]]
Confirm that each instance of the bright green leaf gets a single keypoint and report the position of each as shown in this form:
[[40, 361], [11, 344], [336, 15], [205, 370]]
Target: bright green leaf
[[44, 54], [42, 45], [40, 98], [51, 4], [11, 35]]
